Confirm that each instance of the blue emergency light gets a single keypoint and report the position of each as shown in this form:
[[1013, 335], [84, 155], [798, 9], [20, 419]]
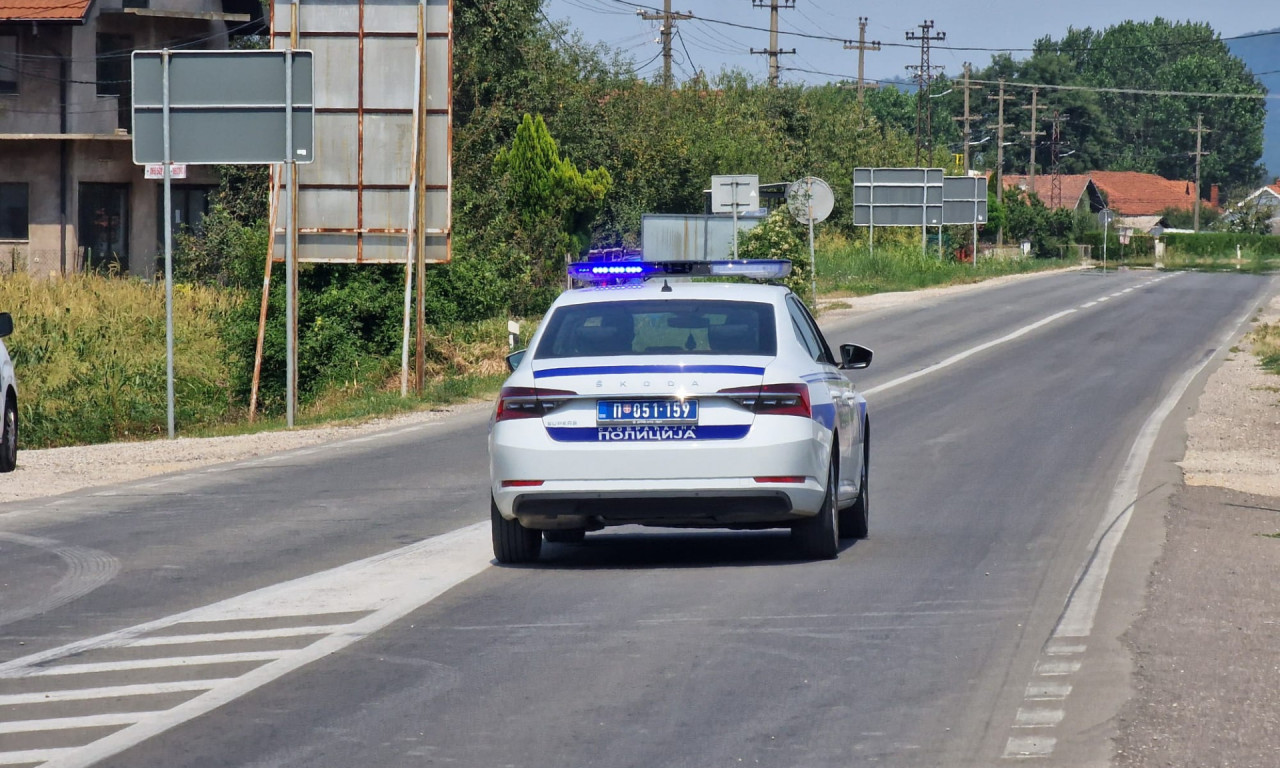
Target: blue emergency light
[[615, 272]]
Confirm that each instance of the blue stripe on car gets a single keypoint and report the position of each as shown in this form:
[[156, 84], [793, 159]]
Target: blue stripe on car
[[607, 369], [648, 433], [825, 414]]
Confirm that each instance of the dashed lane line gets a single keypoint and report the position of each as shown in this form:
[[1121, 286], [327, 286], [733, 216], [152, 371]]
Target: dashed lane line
[[1020, 332], [1063, 655]]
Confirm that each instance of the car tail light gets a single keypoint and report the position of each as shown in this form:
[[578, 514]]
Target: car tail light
[[521, 483], [774, 399], [528, 402], [781, 479]]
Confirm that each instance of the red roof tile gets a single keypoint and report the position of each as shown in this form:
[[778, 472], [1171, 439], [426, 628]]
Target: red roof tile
[[1130, 193], [1073, 186], [44, 10]]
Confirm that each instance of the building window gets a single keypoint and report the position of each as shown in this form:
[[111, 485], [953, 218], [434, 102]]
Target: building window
[[13, 211], [114, 74], [8, 63]]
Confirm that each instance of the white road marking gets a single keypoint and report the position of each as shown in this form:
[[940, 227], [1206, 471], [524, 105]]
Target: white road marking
[[950, 361], [1104, 298], [1041, 691], [1090, 304], [1065, 650], [71, 723], [109, 692], [174, 661], [1029, 746], [27, 756], [1055, 668], [1082, 606], [1037, 718], [384, 587], [248, 634]]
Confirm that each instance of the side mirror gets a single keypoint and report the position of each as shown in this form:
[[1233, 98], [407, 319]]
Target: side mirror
[[854, 357], [513, 359], [6, 324]]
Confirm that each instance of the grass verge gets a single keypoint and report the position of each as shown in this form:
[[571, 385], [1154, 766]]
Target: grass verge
[[1266, 345], [847, 269]]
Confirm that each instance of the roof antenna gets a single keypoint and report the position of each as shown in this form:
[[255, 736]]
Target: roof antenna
[[666, 287]]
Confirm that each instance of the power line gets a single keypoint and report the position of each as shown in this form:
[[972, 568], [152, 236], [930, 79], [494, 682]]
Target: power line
[[1133, 91], [1047, 86], [1061, 49]]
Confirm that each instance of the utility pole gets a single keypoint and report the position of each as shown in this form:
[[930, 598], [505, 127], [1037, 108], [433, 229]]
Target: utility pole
[[667, 30], [1000, 126], [1034, 133], [968, 119], [862, 47], [1199, 131], [773, 51], [924, 76]]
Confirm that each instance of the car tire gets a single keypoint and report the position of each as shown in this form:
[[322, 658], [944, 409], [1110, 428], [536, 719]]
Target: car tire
[[512, 542], [817, 538], [566, 536], [9, 436], [854, 521]]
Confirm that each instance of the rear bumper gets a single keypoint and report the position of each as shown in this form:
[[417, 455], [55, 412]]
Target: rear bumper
[[704, 483]]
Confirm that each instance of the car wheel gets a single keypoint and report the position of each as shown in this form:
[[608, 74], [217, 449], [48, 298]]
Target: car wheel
[[566, 536], [854, 520], [512, 542], [817, 538], [9, 437]]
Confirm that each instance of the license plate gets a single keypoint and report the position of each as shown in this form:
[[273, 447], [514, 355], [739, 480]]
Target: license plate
[[647, 411]]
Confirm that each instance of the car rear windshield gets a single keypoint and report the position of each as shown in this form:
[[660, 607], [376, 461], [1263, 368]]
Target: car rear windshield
[[664, 327]]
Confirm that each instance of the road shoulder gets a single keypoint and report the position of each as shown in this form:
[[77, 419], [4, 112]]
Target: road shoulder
[[1202, 649]]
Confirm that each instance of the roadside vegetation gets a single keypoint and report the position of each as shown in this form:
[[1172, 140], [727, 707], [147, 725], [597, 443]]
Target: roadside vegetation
[[1266, 345], [560, 146]]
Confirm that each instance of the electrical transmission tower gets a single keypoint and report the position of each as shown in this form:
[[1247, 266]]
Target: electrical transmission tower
[[1199, 131], [668, 28], [924, 76], [773, 51], [1055, 155], [862, 46]]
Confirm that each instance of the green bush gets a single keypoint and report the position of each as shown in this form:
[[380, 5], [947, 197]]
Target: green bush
[[780, 237], [89, 352]]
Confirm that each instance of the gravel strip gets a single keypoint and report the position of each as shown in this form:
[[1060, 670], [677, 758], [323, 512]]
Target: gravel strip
[[54, 471]]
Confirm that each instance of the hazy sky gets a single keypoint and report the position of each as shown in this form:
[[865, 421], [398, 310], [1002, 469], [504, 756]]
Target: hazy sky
[[998, 24]]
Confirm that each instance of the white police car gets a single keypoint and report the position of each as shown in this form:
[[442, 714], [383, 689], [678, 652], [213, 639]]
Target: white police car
[[678, 404], [8, 402]]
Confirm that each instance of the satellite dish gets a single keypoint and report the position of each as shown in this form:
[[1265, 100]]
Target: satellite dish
[[810, 194]]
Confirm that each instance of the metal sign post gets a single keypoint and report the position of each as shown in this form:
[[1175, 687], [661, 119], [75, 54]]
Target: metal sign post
[[168, 245], [730, 203], [898, 197], [1105, 217], [810, 200], [218, 107]]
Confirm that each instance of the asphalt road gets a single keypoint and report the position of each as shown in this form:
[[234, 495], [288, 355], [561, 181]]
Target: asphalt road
[[337, 606]]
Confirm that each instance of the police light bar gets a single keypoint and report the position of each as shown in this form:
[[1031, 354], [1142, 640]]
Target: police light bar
[[752, 269]]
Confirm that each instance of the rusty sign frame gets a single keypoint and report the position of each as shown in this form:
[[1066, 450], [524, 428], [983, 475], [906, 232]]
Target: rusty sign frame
[[391, 202]]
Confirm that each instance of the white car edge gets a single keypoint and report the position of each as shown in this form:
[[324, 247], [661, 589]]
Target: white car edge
[[9, 391], [781, 439]]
